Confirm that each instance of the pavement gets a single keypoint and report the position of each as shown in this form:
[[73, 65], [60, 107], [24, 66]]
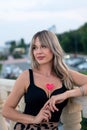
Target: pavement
[[60, 127]]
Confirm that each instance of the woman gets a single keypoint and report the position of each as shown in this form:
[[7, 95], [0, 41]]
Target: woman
[[46, 87]]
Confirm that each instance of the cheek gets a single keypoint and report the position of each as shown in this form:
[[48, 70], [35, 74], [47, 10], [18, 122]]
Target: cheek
[[33, 54], [51, 54]]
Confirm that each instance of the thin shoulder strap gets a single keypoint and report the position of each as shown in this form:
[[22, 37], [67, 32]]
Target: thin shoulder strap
[[31, 76]]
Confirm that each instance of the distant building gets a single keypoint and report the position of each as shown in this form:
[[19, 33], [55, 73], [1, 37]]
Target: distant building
[[52, 28], [19, 50], [8, 43], [4, 51]]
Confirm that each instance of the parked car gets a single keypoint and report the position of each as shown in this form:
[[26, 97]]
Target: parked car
[[11, 71], [82, 66], [74, 61]]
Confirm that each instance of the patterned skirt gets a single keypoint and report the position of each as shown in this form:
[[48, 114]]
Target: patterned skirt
[[42, 126]]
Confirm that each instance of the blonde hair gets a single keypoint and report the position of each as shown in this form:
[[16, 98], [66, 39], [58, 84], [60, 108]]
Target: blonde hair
[[50, 40]]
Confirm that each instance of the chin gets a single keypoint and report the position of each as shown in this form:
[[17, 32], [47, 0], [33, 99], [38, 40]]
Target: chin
[[41, 63]]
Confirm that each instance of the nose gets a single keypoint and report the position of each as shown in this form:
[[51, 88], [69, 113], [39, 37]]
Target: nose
[[39, 50]]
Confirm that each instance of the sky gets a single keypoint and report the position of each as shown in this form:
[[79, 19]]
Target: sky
[[23, 18]]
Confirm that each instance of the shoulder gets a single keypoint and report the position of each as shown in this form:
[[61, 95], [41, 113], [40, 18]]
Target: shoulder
[[74, 73], [24, 75], [78, 78], [24, 79]]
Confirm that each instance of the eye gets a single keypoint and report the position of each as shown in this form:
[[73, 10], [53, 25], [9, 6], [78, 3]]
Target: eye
[[43, 46], [34, 47]]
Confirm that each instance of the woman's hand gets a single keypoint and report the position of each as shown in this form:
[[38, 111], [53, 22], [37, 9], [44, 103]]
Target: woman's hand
[[56, 99], [43, 115]]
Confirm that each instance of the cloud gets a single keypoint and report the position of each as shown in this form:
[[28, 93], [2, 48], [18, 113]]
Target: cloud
[[23, 10], [39, 5], [22, 4], [21, 16]]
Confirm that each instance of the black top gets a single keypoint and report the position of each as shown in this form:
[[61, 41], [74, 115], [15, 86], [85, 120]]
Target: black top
[[36, 97]]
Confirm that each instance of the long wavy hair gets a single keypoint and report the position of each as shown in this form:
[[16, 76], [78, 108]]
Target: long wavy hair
[[50, 40]]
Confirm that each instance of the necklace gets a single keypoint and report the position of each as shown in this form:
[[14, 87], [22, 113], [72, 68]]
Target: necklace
[[50, 87]]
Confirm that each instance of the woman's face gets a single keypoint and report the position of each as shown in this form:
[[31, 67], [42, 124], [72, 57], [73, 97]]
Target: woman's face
[[42, 54]]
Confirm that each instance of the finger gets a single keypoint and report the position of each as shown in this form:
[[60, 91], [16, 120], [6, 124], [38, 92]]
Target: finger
[[59, 101], [45, 117], [48, 113], [46, 104], [51, 108], [55, 108]]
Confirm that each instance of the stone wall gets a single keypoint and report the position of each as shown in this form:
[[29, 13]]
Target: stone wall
[[71, 115]]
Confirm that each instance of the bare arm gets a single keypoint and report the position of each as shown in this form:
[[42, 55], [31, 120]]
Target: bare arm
[[9, 109], [79, 80]]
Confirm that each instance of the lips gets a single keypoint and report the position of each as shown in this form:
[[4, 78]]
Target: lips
[[40, 57]]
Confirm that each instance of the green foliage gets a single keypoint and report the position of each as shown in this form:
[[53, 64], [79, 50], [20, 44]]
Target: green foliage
[[84, 120], [0, 67], [83, 34], [84, 124], [17, 55], [74, 41], [65, 42], [22, 43], [13, 46], [3, 57], [84, 72], [84, 42]]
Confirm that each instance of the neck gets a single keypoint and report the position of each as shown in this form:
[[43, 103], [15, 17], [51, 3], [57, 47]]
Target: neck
[[46, 70]]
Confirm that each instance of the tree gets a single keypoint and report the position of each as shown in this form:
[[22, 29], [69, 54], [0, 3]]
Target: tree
[[13, 45]]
